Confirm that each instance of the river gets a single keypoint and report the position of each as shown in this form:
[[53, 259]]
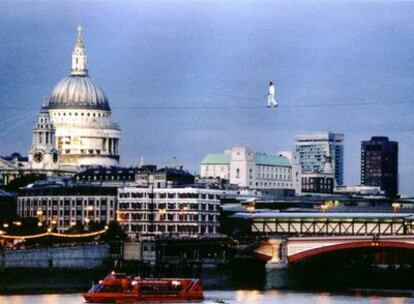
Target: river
[[232, 297]]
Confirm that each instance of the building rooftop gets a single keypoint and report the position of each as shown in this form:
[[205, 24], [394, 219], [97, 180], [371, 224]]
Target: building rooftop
[[216, 159], [271, 160], [318, 215], [260, 159]]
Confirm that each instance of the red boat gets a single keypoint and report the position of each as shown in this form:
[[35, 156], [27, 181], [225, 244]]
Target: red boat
[[120, 288]]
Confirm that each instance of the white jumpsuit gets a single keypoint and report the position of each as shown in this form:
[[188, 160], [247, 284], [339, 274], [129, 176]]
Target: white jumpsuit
[[271, 102]]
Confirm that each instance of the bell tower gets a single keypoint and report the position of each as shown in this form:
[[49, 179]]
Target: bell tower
[[43, 154], [79, 67]]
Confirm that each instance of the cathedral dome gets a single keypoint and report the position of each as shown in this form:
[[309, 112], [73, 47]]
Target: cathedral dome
[[78, 92]]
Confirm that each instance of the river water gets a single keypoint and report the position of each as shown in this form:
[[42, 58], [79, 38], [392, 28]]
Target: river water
[[232, 297]]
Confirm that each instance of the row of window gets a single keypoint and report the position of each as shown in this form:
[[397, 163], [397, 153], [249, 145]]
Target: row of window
[[67, 213], [183, 229], [167, 217], [167, 206], [88, 114], [169, 195], [28, 203]]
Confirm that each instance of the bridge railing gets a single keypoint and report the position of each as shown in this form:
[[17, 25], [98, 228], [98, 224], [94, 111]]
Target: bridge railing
[[332, 227]]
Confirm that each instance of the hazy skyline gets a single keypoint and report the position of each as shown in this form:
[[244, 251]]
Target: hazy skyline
[[210, 55]]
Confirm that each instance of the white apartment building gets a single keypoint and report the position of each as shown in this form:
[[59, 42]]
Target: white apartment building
[[250, 170], [178, 211], [63, 206]]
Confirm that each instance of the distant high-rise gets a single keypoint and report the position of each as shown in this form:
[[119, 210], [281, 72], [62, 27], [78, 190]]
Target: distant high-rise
[[315, 149], [379, 164]]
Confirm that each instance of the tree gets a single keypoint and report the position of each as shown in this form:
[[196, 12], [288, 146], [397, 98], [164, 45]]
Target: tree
[[115, 233], [23, 181]]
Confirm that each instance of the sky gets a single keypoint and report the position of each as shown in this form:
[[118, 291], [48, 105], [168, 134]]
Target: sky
[[186, 78]]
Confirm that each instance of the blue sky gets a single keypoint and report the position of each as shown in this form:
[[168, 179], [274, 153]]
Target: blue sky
[[219, 54]]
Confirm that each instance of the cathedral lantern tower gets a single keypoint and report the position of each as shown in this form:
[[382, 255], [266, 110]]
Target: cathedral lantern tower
[[43, 154], [80, 112]]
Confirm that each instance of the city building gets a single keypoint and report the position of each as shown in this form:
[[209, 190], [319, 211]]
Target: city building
[[170, 177], [61, 205], [11, 167], [116, 176], [43, 155], [315, 149], [379, 164], [359, 190], [81, 117], [250, 170], [294, 160], [176, 211], [73, 129], [319, 182]]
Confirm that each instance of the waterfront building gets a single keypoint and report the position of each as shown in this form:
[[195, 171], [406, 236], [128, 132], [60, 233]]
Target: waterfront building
[[175, 211], [379, 164], [314, 149], [62, 205], [250, 170]]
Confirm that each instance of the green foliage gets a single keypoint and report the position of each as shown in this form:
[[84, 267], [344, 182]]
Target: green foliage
[[114, 233]]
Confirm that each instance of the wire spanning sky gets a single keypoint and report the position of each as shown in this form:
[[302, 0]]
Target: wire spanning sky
[[185, 78]]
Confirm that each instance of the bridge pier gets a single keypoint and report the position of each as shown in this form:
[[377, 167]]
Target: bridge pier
[[277, 275]]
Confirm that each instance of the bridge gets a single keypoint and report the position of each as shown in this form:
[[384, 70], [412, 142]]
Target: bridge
[[294, 249], [287, 238]]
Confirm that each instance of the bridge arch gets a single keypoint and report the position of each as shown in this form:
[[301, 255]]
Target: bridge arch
[[348, 245]]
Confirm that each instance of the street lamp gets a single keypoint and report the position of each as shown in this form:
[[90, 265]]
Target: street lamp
[[251, 207], [39, 212], [324, 208], [5, 225], [395, 206], [39, 224]]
